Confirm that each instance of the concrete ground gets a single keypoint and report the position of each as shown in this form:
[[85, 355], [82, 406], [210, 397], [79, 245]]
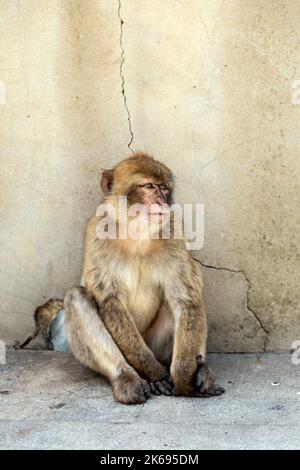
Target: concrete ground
[[49, 401]]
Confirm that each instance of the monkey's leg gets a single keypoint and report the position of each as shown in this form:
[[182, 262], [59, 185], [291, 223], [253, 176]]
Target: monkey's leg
[[123, 329], [160, 335], [94, 347]]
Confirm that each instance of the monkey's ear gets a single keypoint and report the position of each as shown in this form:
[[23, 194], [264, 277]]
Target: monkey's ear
[[106, 181]]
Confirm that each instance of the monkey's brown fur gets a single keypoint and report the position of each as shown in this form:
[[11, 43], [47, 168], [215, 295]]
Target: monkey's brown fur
[[141, 313]]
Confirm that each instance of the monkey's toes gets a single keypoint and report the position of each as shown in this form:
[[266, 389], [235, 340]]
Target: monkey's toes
[[130, 389]]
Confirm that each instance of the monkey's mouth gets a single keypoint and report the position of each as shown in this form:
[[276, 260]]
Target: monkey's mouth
[[159, 209]]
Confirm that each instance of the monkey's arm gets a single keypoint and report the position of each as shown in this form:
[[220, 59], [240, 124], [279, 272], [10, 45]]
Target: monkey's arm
[[125, 333], [185, 296], [189, 341]]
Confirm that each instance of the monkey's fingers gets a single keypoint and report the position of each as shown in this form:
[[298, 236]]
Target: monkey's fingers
[[218, 390], [164, 387], [154, 389], [161, 387], [204, 381]]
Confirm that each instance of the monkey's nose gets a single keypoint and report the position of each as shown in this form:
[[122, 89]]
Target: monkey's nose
[[164, 207]]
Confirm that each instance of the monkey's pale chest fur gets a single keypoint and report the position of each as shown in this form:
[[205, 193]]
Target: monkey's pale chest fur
[[143, 291]]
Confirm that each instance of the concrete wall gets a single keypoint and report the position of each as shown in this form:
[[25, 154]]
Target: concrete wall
[[205, 86]]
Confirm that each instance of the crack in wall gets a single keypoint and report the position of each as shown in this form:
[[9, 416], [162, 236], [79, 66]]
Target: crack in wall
[[250, 309], [123, 78]]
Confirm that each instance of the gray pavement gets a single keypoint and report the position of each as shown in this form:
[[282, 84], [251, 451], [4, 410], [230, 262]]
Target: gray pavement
[[49, 401]]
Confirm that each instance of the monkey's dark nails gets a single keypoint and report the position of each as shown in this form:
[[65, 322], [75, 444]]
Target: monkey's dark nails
[[219, 390], [214, 391]]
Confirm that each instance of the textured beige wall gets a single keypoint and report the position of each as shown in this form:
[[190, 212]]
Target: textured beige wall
[[207, 89]]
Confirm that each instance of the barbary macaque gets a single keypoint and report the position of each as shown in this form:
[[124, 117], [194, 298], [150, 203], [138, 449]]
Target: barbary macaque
[[140, 318]]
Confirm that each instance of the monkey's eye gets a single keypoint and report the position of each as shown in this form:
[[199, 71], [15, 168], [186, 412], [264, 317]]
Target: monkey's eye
[[148, 186], [164, 187]]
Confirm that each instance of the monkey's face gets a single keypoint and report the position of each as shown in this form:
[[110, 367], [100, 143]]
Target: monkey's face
[[154, 195], [142, 180]]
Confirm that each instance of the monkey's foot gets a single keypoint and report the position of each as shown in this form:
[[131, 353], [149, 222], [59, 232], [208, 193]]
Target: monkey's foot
[[130, 389], [163, 386], [204, 381]]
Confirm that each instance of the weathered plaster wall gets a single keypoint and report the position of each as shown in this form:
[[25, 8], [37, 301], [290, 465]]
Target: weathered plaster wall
[[204, 85]]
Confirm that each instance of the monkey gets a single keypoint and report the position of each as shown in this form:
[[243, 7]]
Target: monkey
[[139, 316]]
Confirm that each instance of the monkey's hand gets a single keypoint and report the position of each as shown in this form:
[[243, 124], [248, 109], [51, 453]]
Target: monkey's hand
[[163, 386], [204, 381], [159, 378], [129, 388], [195, 380]]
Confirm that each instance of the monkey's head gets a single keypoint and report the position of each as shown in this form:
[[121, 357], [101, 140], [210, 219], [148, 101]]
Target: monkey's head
[[143, 180]]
